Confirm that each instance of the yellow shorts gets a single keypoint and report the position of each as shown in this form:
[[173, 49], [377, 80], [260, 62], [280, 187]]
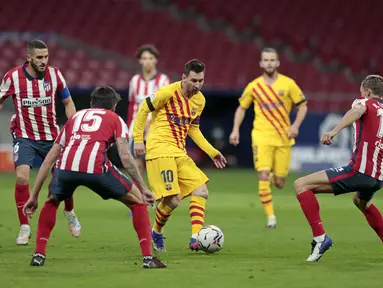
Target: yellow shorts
[[272, 158], [174, 175]]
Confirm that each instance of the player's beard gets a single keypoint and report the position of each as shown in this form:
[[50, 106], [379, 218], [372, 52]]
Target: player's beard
[[270, 71], [36, 68]]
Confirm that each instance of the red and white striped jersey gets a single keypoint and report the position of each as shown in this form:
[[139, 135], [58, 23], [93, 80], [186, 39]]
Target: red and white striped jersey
[[367, 157], [35, 101], [85, 139], [139, 89]]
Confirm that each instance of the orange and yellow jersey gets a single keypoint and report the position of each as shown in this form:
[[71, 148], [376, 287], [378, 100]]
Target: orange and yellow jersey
[[173, 115], [272, 106]]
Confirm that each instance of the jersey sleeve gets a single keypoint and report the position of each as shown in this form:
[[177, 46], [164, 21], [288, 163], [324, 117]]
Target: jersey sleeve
[[6, 88], [122, 130], [246, 98], [157, 99], [61, 138], [62, 89], [296, 94]]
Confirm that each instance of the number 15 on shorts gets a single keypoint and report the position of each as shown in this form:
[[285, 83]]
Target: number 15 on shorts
[[168, 177]]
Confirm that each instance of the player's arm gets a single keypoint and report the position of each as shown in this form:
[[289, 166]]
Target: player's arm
[[65, 96], [300, 102], [196, 135], [6, 89], [245, 102], [47, 166], [152, 103], [355, 113], [129, 163]]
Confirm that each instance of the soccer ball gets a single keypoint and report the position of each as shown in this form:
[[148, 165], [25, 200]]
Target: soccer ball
[[210, 239]]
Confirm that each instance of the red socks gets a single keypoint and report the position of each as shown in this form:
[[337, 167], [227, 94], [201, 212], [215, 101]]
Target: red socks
[[21, 197], [141, 224], [310, 207], [47, 221], [69, 204], [375, 219]]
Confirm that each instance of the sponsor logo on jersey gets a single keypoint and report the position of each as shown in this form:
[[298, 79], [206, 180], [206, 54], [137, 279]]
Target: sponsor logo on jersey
[[36, 102]]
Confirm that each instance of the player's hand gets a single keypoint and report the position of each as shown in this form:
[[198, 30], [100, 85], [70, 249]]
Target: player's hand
[[293, 131], [31, 206], [234, 138], [148, 197], [327, 137], [220, 161], [139, 149]]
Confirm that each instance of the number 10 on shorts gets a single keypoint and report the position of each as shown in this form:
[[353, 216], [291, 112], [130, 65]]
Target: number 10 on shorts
[[167, 176]]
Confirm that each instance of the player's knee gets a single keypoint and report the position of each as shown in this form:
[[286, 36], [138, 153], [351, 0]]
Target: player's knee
[[22, 176], [279, 182], [132, 197], [360, 204], [355, 200], [53, 200], [264, 175], [201, 192], [299, 186], [173, 201]]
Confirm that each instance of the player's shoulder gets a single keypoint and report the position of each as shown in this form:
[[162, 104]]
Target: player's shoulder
[[255, 81], [360, 100], [286, 79], [168, 89], [200, 98], [9, 73], [135, 77]]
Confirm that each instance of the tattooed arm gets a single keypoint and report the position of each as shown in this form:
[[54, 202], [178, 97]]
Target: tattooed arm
[[129, 163]]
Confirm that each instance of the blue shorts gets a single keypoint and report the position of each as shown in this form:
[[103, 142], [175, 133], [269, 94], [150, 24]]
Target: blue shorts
[[345, 179], [25, 151], [112, 184]]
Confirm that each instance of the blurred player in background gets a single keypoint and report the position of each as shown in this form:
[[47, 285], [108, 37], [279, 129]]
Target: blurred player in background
[[273, 95], [142, 85], [172, 174], [364, 173], [80, 150], [34, 87]]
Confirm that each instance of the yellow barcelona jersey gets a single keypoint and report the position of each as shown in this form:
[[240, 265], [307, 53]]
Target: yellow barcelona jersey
[[172, 116], [272, 106]]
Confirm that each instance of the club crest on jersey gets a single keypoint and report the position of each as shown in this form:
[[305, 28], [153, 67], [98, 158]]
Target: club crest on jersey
[[47, 86], [194, 111], [152, 97], [280, 93]]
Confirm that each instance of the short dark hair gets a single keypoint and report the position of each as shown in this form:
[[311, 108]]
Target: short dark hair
[[36, 44], [148, 48], [194, 65], [269, 50], [374, 83], [104, 97]]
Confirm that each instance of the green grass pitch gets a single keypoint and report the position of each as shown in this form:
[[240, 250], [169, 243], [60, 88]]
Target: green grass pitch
[[107, 253]]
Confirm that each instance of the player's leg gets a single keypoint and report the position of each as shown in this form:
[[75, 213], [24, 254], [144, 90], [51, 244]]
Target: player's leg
[[23, 156], [335, 180], [192, 183], [263, 161], [74, 226], [370, 211], [116, 185], [281, 165], [60, 188], [163, 179]]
